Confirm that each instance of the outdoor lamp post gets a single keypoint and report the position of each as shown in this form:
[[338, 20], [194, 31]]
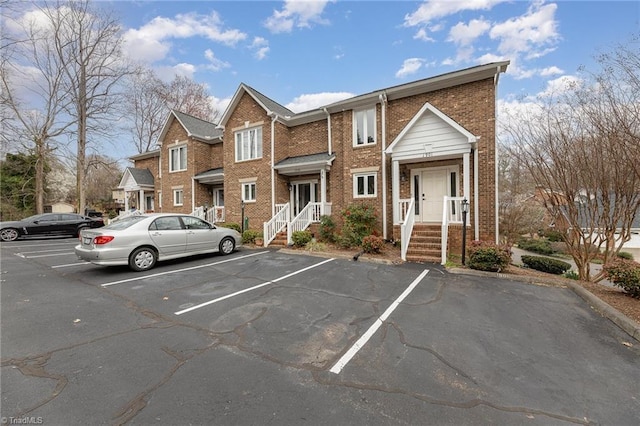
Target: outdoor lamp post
[[465, 210]]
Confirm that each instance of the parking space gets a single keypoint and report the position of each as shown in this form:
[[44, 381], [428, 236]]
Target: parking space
[[262, 335]]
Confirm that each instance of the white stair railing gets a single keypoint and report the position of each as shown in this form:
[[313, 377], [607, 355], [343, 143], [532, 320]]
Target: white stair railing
[[277, 223], [406, 228], [198, 212], [309, 214], [451, 213], [215, 214], [124, 214]]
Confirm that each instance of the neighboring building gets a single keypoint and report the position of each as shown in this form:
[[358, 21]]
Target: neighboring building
[[60, 207], [403, 148]]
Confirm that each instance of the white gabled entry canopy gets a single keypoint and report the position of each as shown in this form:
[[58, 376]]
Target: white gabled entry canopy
[[430, 135]]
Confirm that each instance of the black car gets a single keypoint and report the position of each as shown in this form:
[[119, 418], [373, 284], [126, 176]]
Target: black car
[[48, 224]]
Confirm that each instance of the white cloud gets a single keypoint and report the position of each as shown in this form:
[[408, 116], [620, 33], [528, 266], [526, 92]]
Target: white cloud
[[151, 43], [553, 70], [464, 34], [536, 28], [421, 34], [261, 47], [432, 10], [215, 64], [560, 85], [218, 104], [168, 73], [311, 101], [410, 66], [297, 13]]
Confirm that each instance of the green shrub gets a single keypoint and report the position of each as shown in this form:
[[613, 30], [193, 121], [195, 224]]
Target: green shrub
[[536, 245], [232, 226], [552, 235], [301, 238], [572, 275], [327, 229], [624, 274], [359, 221], [249, 236], [372, 244], [545, 264], [625, 255], [486, 256], [315, 246]]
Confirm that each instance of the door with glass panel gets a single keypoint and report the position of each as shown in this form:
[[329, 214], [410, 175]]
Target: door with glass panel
[[302, 193]]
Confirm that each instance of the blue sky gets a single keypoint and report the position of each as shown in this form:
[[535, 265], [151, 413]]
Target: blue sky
[[303, 54]]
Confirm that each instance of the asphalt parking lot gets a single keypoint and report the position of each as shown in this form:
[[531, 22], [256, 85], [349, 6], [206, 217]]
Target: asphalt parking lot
[[263, 336]]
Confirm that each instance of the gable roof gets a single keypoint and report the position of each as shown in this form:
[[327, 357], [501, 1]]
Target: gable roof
[[136, 179], [442, 81], [196, 128], [269, 105], [427, 107]]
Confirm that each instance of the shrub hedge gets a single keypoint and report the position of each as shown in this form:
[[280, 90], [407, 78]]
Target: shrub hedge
[[372, 244], [624, 274], [486, 256], [545, 264], [249, 236], [301, 238], [536, 245]]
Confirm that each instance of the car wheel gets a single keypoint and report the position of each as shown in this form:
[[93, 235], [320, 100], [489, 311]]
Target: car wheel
[[9, 234], [227, 245], [143, 259]]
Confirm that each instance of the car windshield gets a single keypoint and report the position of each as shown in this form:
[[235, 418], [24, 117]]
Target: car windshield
[[125, 223]]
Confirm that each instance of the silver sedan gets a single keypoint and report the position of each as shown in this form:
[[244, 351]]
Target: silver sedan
[[141, 241]]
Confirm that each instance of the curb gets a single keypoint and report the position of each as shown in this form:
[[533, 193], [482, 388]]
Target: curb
[[362, 258], [625, 323]]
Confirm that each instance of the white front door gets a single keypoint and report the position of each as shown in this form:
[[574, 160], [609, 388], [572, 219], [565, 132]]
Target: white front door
[[303, 193], [430, 187]]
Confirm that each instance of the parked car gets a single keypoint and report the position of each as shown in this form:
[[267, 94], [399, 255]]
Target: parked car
[[47, 224], [141, 241]]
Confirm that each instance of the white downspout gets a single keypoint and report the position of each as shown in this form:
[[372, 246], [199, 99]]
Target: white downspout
[[193, 194], [328, 130], [383, 119], [495, 148], [476, 213], [274, 117]]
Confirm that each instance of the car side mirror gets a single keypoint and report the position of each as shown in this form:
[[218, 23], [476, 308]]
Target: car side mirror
[[36, 222]]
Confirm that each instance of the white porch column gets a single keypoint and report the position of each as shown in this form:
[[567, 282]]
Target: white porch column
[[395, 190], [126, 200], [141, 205], [323, 191], [466, 166]]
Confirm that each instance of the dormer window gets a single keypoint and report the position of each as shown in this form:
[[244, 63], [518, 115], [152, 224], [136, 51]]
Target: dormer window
[[364, 126]]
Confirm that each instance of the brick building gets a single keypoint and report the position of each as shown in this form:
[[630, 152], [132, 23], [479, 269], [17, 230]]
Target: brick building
[[421, 147]]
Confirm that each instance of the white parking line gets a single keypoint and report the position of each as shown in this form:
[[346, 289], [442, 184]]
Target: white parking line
[[70, 264], [184, 311], [342, 362], [5, 245], [43, 255], [180, 270], [43, 251]]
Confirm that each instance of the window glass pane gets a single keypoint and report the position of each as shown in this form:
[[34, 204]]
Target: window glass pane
[[359, 127], [360, 184], [238, 146], [371, 120], [183, 158], [371, 185], [259, 143], [253, 191]]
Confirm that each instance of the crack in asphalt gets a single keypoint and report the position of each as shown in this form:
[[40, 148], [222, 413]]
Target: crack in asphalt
[[35, 366]]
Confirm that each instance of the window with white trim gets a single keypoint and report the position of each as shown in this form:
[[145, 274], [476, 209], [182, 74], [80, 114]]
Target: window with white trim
[[249, 192], [178, 159], [364, 185], [178, 197], [249, 144], [364, 127]]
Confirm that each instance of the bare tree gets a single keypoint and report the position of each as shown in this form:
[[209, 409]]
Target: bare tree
[[31, 82], [102, 175], [576, 145], [146, 110], [190, 97], [88, 45], [149, 100]]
